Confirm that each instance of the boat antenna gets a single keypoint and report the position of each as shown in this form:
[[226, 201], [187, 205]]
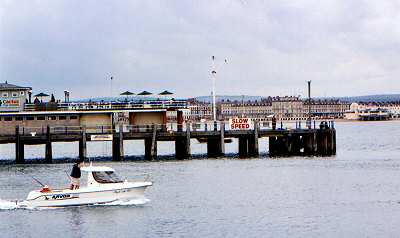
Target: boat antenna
[[67, 174], [35, 179]]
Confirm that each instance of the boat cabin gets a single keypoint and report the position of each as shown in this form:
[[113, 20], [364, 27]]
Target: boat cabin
[[98, 175]]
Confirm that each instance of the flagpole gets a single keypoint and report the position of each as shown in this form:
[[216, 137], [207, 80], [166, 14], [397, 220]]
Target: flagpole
[[214, 75]]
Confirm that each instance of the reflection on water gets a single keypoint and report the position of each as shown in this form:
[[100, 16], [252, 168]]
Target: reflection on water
[[354, 194]]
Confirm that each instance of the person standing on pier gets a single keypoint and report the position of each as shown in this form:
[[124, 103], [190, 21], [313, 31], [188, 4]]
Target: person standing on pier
[[76, 175]]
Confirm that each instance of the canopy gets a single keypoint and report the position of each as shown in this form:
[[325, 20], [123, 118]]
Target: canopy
[[41, 95], [127, 93], [144, 93], [165, 92]]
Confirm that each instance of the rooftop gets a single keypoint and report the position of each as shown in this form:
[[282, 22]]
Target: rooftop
[[8, 86]]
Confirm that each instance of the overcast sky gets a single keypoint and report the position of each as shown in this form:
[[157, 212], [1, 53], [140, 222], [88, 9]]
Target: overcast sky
[[347, 47]]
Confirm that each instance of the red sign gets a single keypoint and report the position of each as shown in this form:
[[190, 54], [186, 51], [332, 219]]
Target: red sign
[[240, 123]]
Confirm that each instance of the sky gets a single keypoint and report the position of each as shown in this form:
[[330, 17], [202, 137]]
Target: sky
[[345, 47]]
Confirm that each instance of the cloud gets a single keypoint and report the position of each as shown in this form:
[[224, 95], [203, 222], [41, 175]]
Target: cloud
[[272, 47]]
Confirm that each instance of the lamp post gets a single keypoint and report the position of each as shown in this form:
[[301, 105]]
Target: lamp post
[[309, 104], [214, 77]]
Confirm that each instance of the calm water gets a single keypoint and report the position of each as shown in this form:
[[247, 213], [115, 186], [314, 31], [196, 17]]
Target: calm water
[[355, 194]]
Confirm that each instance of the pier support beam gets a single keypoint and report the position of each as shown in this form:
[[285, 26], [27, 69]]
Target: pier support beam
[[151, 145], [243, 147], [322, 143], [333, 142], [253, 149], [182, 145], [214, 147], [118, 145], [82, 145], [279, 146], [222, 138], [295, 145], [49, 149], [19, 148], [272, 146], [309, 142]]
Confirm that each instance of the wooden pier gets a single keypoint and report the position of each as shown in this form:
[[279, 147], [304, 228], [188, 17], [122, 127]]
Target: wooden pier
[[319, 141]]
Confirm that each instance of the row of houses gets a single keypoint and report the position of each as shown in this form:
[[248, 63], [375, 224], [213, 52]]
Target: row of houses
[[283, 108]]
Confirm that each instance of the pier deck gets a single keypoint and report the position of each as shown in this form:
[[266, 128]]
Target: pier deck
[[282, 142]]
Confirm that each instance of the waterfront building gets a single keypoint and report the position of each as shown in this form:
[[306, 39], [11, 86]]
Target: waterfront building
[[198, 110], [257, 110], [13, 97], [373, 111], [326, 109], [288, 108]]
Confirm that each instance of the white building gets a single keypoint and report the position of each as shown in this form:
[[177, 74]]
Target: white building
[[13, 97]]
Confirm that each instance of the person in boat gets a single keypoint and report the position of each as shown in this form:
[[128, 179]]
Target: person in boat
[[76, 175]]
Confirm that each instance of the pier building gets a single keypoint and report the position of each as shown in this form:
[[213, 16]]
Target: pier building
[[13, 97]]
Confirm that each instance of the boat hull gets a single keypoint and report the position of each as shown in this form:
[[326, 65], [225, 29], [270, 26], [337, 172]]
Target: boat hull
[[86, 196]]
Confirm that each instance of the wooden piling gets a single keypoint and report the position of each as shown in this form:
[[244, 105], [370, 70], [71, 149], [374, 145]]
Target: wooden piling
[[182, 145], [150, 144], [222, 138], [253, 149], [187, 146], [243, 147], [19, 148], [295, 145], [82, 145], [214, 147], [48, 147], [118, 145], [333, 141], [322, 142], [309, 144], [272, 146]]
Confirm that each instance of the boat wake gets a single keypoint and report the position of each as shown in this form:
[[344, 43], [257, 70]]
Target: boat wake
[[8, 205], [133, 202]]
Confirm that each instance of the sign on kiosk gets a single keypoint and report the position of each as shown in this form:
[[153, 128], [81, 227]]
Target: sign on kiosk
[[240, 123]]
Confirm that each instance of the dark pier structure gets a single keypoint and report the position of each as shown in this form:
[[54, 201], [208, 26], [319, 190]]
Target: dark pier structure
[[319, 141]]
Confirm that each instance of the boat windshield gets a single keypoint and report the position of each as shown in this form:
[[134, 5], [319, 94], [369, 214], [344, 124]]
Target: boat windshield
[[106, 177]]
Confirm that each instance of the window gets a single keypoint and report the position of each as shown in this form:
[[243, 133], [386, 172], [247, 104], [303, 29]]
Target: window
[[14, 94], [19, 118], [62, 118], [7, 118], [4, 95], [22, 93], [73, 117], [52, 118], [106, 177], [30, 118], [40, 118]]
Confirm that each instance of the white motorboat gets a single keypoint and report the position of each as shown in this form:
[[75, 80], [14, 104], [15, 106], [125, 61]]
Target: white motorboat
[[103, 186]]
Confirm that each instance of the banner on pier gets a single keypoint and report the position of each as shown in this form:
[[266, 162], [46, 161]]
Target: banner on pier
[[7, 103], [240, 124], [107, 137]]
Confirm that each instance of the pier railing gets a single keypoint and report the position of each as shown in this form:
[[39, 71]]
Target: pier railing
[[115, 105], [168, 127]]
